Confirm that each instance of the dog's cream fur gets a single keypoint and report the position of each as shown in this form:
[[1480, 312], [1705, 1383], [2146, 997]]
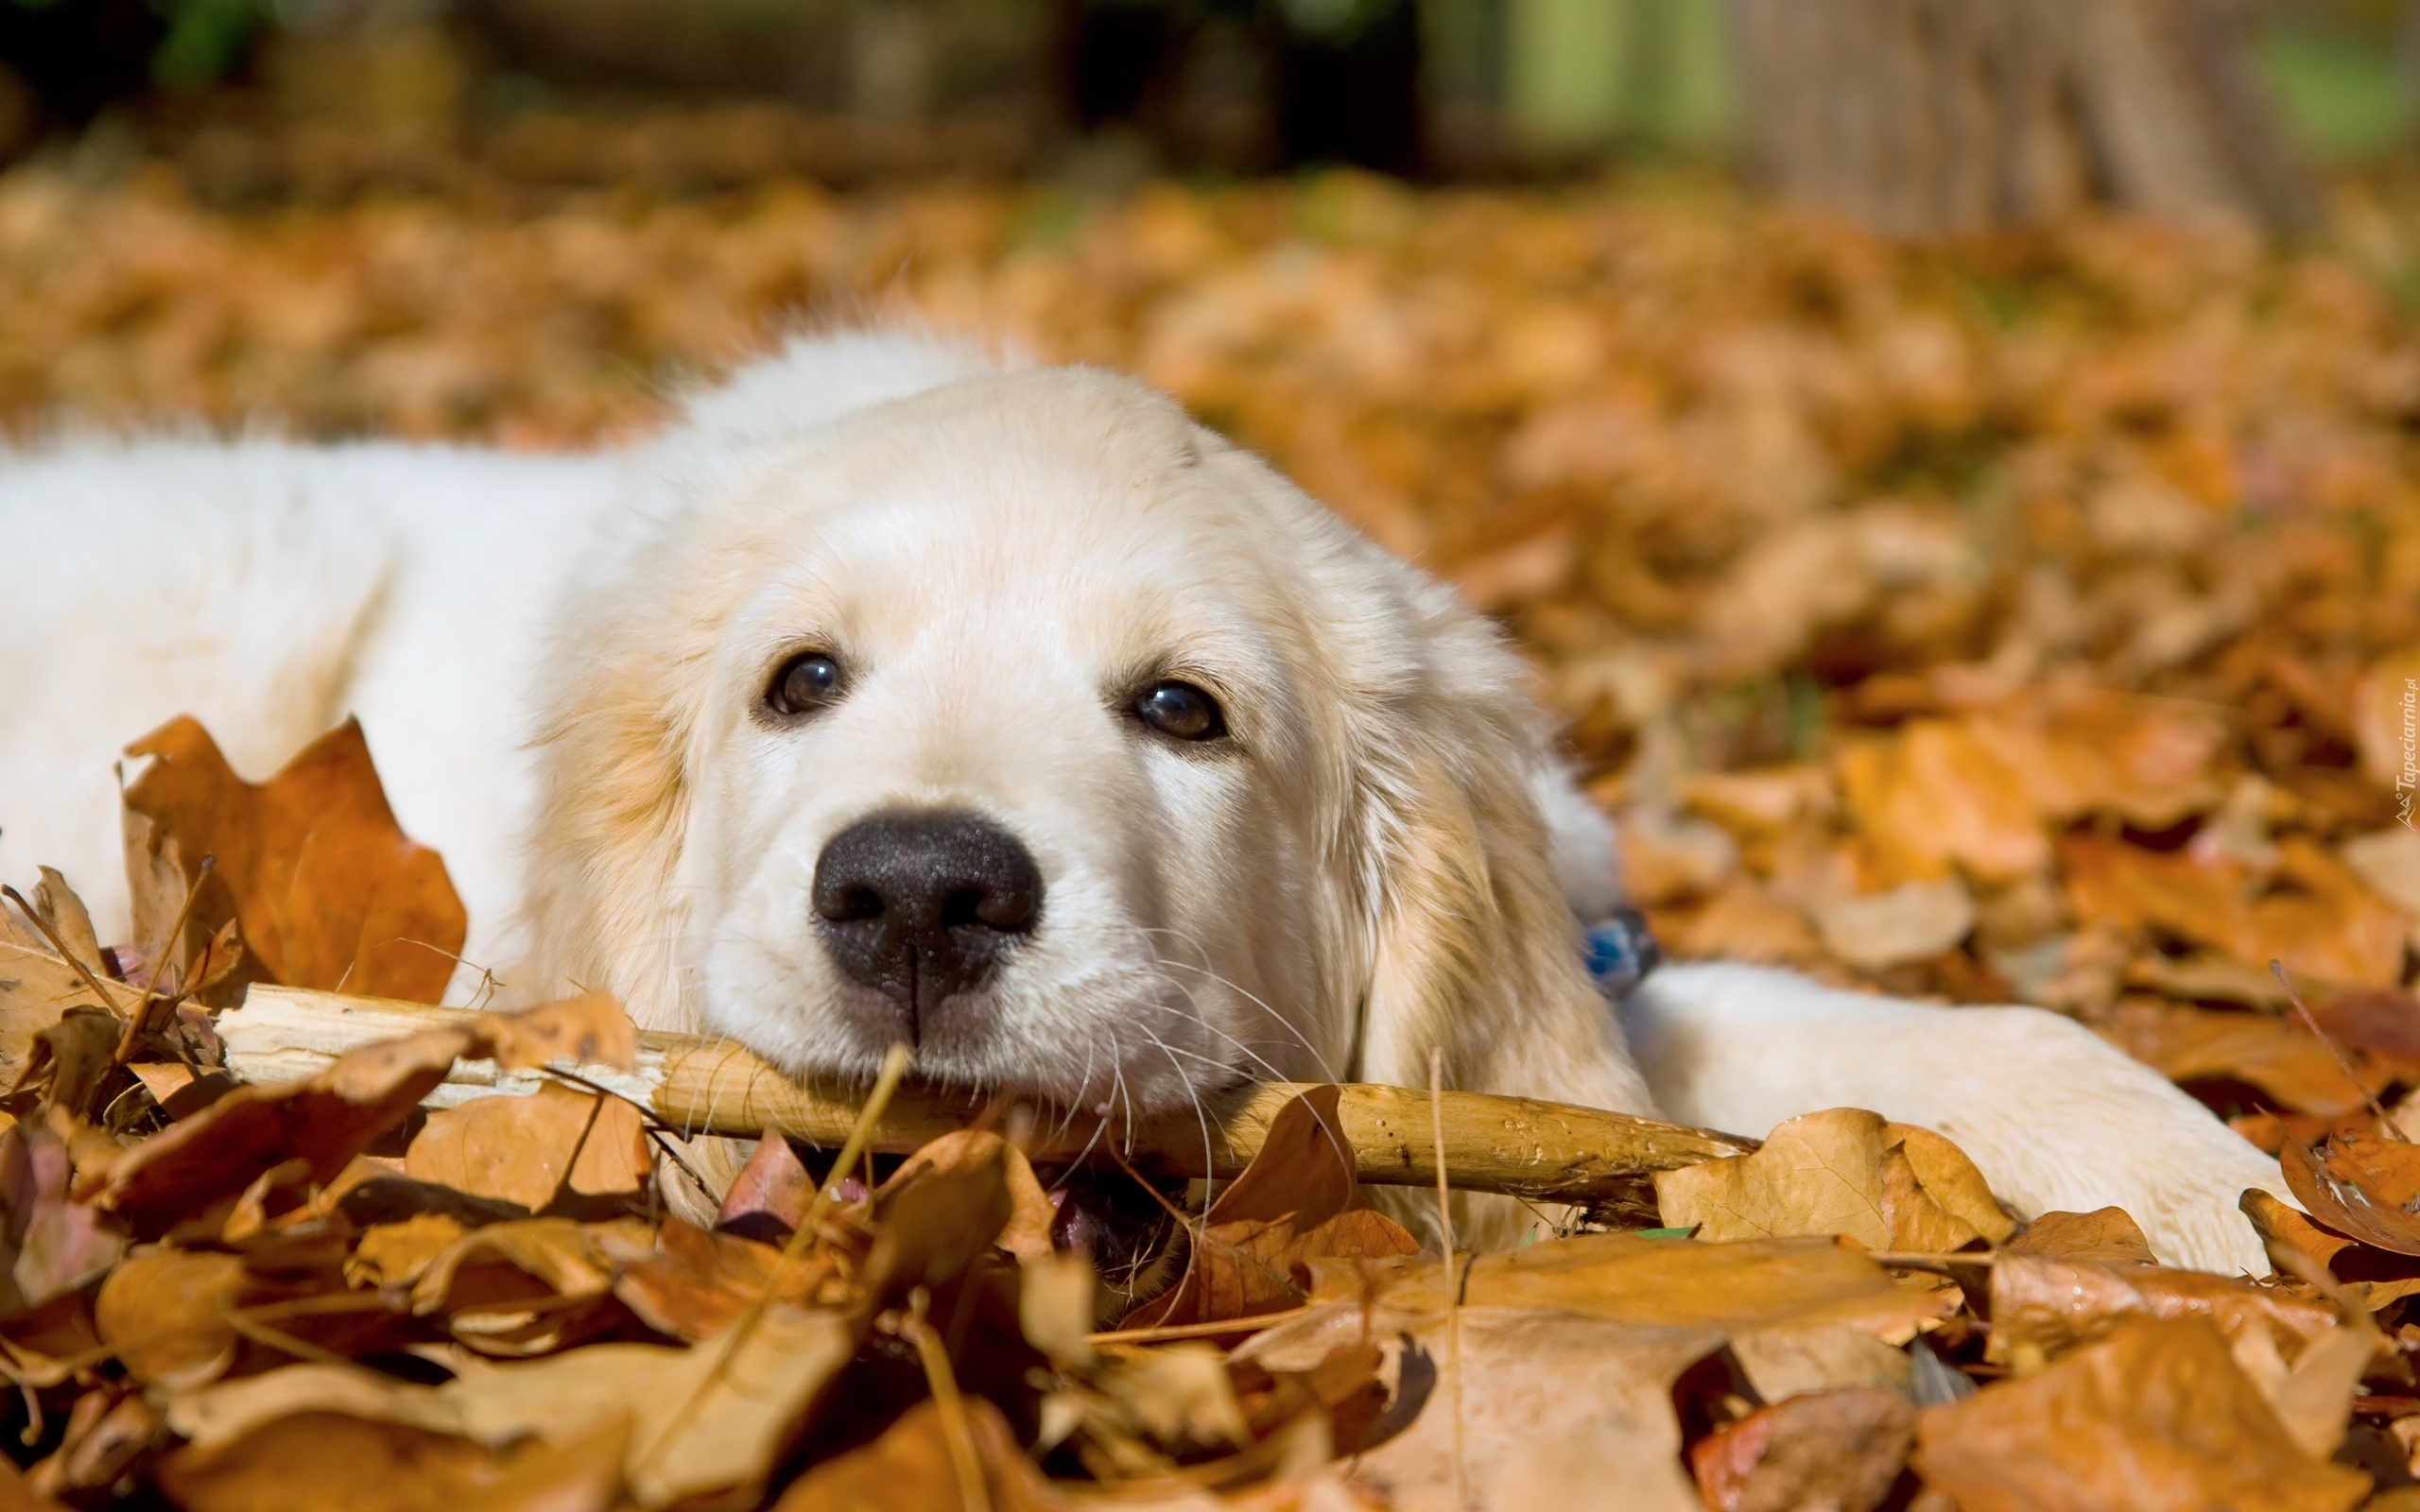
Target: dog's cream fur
[[1387, 858]]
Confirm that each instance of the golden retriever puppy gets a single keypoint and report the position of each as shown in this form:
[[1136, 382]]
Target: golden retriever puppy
[[894, 695]]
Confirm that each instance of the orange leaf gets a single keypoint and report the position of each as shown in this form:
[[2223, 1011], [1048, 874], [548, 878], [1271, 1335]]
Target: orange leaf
[[557, 1143], [329, 892], [1291, 1206], [2362, 1186], [1941, 796], [328, 1119], [2156, 1417]]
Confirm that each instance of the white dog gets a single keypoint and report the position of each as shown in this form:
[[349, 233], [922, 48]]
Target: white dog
[[896, 694]]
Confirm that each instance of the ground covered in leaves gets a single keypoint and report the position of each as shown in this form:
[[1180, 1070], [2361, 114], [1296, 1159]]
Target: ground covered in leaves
[[2036, 620]]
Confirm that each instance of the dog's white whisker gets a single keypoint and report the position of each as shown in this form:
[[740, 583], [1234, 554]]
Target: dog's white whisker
[[1201, 1114], [1192, 1011], [1203, 967]]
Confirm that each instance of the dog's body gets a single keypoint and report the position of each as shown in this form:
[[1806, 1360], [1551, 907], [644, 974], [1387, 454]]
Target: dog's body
[[1214, 788]]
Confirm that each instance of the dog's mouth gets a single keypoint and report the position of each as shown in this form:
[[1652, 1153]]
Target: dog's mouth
[[1128, 1231], [1129, 1225]]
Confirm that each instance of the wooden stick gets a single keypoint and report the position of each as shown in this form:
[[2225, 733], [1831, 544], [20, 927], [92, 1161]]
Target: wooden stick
[[1546, 1151]]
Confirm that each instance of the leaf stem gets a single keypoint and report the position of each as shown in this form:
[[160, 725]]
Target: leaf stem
[[2310, 1021], [1453, 1291], [106, 1004], [960, 1434]]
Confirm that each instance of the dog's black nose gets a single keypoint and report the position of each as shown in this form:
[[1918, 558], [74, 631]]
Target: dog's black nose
[[920, 905]]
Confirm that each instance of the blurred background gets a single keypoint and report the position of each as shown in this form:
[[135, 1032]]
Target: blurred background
[[1918, 115], [1950, 461]]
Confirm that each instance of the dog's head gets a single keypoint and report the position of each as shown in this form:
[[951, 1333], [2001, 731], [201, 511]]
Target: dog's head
[[1028, 722]]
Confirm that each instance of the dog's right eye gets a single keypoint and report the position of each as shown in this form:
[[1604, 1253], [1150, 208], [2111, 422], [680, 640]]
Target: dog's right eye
[[1181, 709], [806, 681]]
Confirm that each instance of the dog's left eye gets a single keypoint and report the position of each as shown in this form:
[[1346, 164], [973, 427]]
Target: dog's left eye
[[803, 683], [1181, 709]]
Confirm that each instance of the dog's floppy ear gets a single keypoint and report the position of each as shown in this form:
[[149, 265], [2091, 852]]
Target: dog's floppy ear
[[613, 804], [1473, 949]]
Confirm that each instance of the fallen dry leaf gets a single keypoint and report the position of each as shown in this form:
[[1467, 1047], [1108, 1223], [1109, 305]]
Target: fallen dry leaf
[[328, 890], [1914, 921], [581, 1474], [2154, 1417], [288, 1464], [332, 1117], [1800, 1283], [559, 1143], [2327, 927], [1746, 923], [1800, 1314], [71, 1058], [1181, 1395], [1888, 1186], [692, 1282], [517, 1288], [944, 1209], [769, 1196], [2389, 861], [911, 1468], [2043, 1307], [107, 1435], [398, 1254], [2312, 1399], [1943, 795], [2280, 1058], [1290, 1207], [16, 1496], [38, 986], [2109, 1235], [1552, 1409], [1839, 1449], [701, 1419], [2362, 1186], [164, 1313], [53, 1245]]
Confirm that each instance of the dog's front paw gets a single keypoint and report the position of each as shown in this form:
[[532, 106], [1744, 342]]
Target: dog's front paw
[[2056, 1118], [2072, 1123]]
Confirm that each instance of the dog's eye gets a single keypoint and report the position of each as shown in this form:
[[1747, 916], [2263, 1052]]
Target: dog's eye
[[803, 683], [1181, 709]]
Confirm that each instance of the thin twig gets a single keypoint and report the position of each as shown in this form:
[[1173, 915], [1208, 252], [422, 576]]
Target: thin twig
[[657, 1128], [1446, 1238], [647, 1113], [661, 1140], [106, 1004], [141, 1022], [1155, 1194], [956, 1431], [1198, 1229], [1945, 1261], [490, 984], [571, 1162], [1198, 1330], [2343, 1064], [278, 1339], [895, 1066]]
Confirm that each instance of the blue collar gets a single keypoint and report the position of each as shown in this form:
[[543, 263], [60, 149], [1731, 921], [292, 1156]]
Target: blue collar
[[1620, 951]]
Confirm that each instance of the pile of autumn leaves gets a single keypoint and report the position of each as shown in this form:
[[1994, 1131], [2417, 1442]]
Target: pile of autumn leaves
[[2020, 621], [319, 1292]]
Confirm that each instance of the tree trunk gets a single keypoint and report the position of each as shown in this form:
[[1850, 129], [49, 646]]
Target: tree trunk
[[1930, 117]]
